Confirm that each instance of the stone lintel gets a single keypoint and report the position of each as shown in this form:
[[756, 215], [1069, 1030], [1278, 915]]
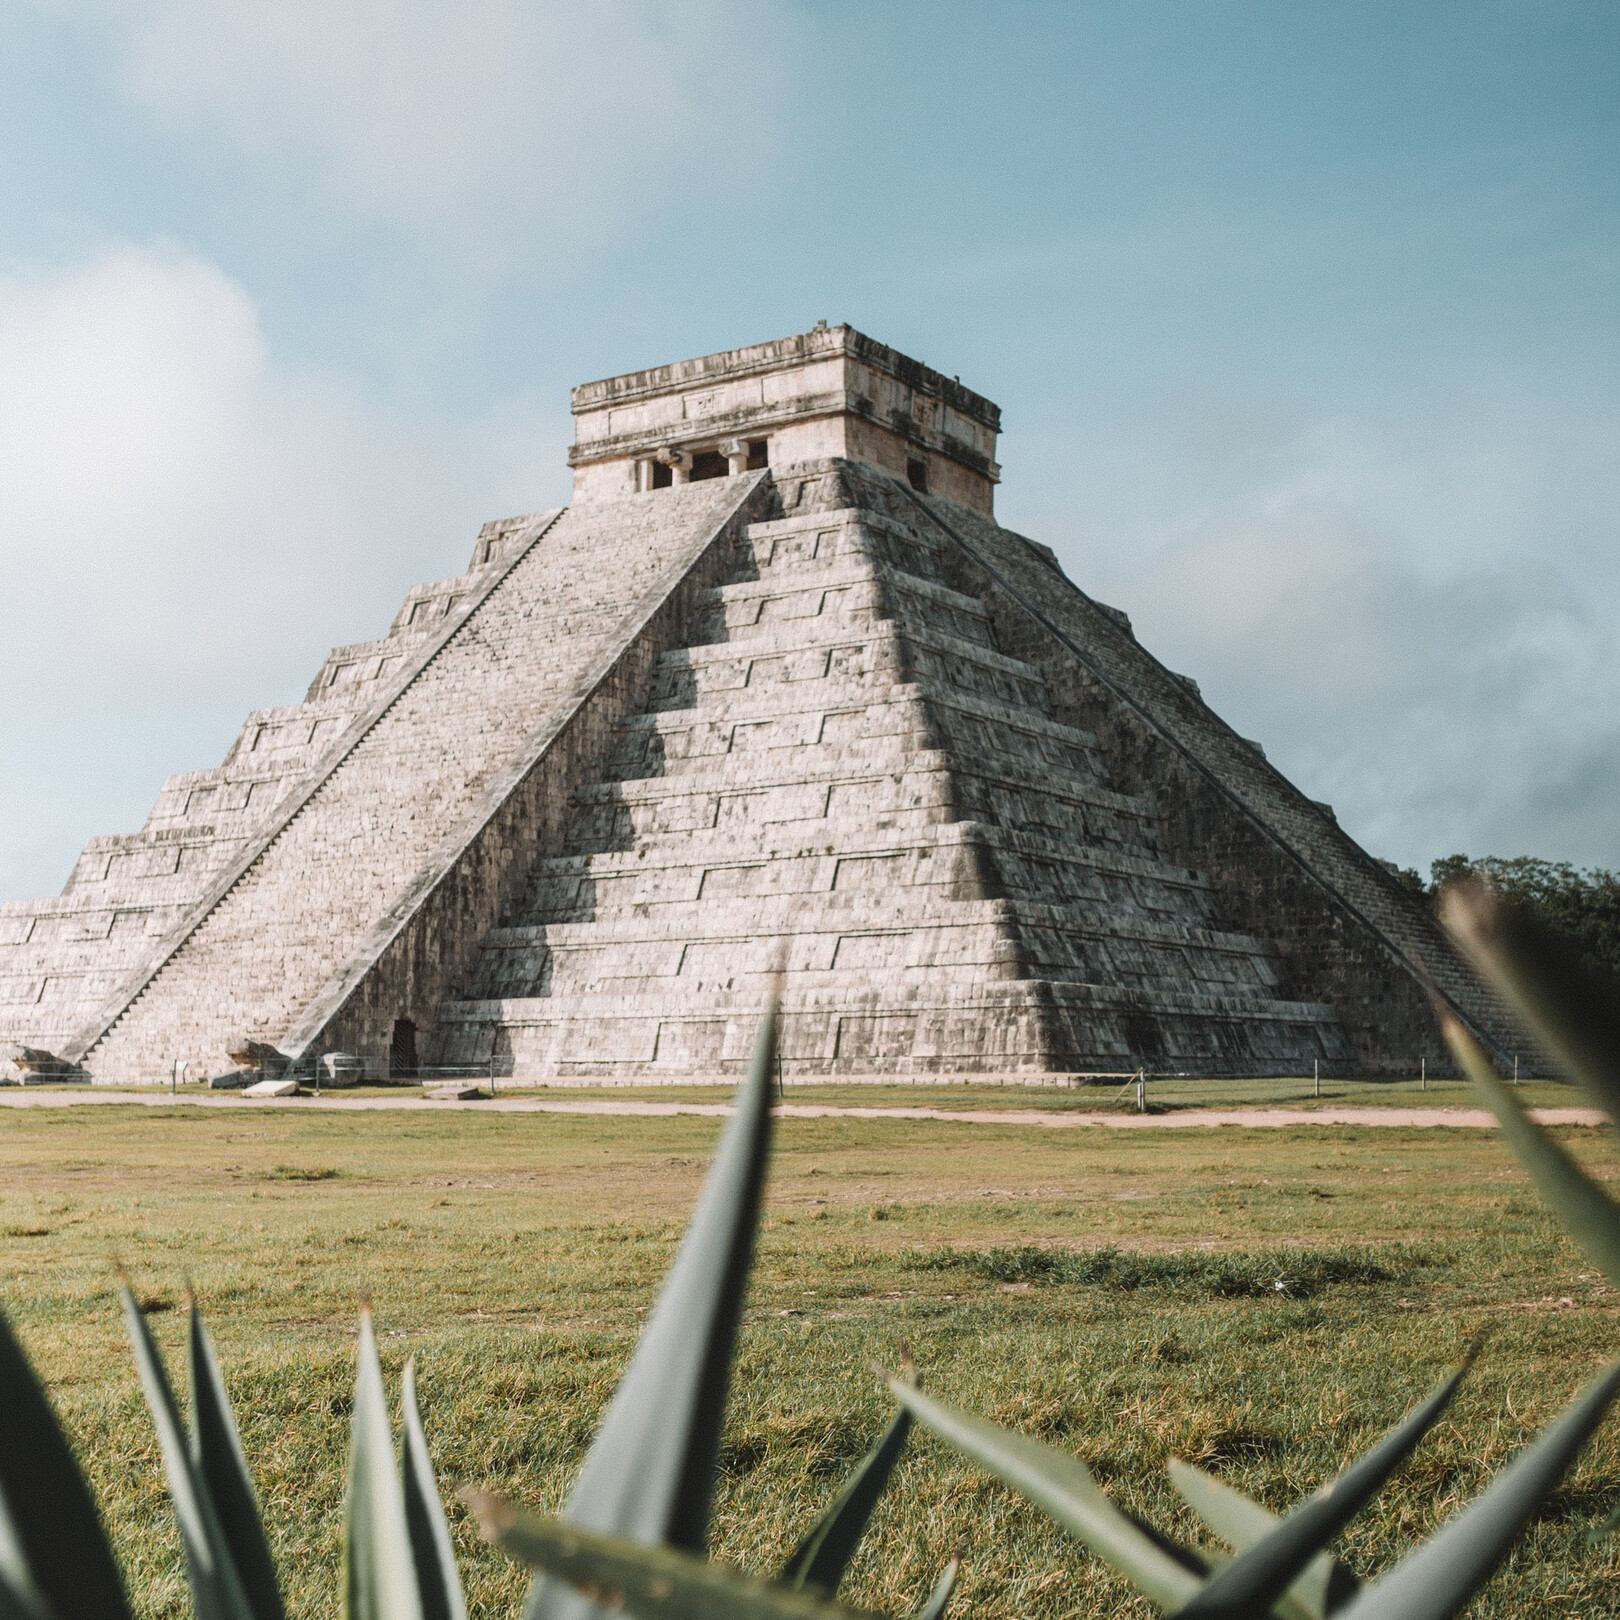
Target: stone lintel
[[832, 392]]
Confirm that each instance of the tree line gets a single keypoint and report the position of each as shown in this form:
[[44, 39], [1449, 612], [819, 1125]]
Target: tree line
[[1582, 903]]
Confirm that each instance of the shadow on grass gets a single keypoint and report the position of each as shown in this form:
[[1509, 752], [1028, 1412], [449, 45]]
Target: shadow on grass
[[1295, 1273]]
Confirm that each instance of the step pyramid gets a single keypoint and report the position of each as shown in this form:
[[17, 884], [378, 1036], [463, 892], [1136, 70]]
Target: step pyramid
[[843, 781], [775, 700]]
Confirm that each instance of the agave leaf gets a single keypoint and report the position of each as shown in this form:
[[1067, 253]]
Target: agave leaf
[[379, 1572], [1234, 1517], [651, 1583], [59, 1548], [216, 1454], [1592, 1216], [216, 1587], [1063, 1487], [1572, 1009], [823, 1556], [1438, 1579], [939, 1600], [1321, 1587], [1260, 1575], [1605, 1529], [20, 1599], [649, 1474], [437, 1578]]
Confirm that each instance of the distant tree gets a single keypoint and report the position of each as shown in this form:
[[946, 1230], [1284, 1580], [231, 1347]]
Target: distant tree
[[1583, 904], [1407, 876]]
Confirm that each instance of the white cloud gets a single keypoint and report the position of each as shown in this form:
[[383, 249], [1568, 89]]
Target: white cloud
[[1471, 708], [484, 126], [186, 526], [1414, 609]]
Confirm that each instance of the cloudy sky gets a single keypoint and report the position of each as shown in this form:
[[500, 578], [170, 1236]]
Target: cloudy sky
[[1305, 321]]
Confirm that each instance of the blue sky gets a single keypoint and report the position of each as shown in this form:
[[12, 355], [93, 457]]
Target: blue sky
[[1304, 321]]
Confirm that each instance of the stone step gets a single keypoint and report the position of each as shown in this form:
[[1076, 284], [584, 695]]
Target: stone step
[[833, 1032], [901, 696], [855, 592], [820, 766], [840, 632], [1087, 873], [838, 812], [847, 569], [957, 872], [900, 907], [763, 751], [898, 942], [662, 741], [885, 657], [797, 992]]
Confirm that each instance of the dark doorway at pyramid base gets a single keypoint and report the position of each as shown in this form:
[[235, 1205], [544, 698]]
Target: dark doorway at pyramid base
[[402, 1050]]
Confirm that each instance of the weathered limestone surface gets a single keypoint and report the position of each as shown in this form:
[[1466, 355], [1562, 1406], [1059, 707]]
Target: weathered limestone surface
[[1278, 862], [266, 930], [848, 783], [776, 698], [828, 394]]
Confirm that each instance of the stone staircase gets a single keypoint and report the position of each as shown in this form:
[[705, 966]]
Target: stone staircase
[[755, 708], [1303, 831], [843, 782], [63, 958], [432, 733]]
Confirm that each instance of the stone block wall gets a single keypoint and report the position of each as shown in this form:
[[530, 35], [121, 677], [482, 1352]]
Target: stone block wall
[[1279, 865]]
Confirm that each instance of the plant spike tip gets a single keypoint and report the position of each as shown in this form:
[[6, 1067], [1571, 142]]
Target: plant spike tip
[[53, 1543], [217, 1591], [1572, 1008], [649, 1474], [437, 1577], [217, 1455], [822, 1557], [939, 1600], [379, 1572]]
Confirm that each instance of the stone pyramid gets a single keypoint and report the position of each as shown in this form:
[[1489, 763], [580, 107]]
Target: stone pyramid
[[775, 696]]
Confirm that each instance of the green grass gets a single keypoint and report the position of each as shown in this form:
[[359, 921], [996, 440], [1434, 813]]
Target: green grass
[[1164, 1095], [1113, 1292], [1169, 1094]]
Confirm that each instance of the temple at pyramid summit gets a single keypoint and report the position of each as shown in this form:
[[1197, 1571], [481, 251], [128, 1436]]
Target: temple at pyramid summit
[[775, 695]]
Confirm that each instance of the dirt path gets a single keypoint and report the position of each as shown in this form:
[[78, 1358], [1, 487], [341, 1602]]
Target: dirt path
[[1187, 1119]]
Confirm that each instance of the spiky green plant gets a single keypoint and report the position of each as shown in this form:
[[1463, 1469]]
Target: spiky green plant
[[634, 1532], [1281, 1566], [636, 1522]]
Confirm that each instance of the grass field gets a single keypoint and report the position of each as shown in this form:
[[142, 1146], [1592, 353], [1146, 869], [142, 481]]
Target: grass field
[[1165, 1094], [1171, 1094], [515, 1256]]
